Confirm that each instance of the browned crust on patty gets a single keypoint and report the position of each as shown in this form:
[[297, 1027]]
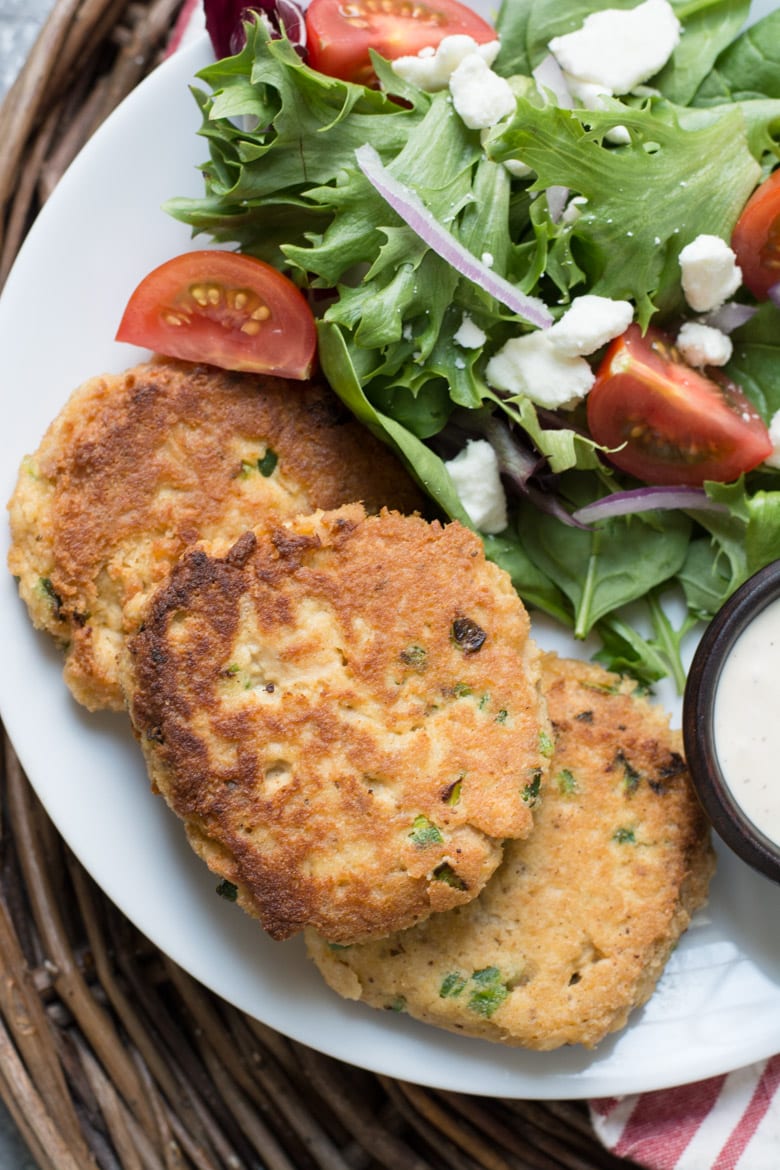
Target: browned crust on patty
[[573, 930], [306, 707], [140, 465]]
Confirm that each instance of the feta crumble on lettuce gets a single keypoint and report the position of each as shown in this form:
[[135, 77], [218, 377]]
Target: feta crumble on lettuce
[[475, 473], [432, 68]]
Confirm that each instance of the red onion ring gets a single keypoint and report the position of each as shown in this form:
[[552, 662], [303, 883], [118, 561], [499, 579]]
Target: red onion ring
[[407, 203]]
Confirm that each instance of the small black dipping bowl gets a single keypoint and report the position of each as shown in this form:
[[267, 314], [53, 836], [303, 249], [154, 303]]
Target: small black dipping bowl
[[729, 821]]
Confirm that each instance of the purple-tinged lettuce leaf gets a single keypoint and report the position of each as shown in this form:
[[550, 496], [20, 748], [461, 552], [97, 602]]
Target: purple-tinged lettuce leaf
[[225, 22]]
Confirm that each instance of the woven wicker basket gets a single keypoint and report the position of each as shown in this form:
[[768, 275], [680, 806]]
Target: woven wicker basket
[[110, 1055]]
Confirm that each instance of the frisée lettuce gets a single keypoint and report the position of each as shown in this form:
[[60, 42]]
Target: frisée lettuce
[[282, 182]]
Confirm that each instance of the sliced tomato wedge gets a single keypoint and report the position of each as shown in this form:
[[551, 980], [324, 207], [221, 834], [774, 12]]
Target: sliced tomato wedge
[[339, 33], [756, 238], [224, 309], [672, 424]]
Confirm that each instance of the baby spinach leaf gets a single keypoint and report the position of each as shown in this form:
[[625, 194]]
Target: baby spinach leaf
[[748, 68], [705, 577], [533, 585], [755, 364], [762, 540], [707, 30], [608, 566], [625, 651]]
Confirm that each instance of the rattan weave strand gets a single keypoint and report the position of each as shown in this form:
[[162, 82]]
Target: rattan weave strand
[[110, 1055]]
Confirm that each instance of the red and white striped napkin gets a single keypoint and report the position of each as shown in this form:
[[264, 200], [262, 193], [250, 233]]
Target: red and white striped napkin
[[729, 1122]]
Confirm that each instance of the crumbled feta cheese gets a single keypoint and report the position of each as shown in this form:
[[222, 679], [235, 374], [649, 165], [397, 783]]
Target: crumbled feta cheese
[[589, 94], [703, 345], [487, 259], [469, 335], [474, 471], [594, 96], [532, 365], [590, 323], [710, 273], [620, 48], [407, 332], [773, 460], [479, 95], [573, 209], [432, 68], [517, 168]]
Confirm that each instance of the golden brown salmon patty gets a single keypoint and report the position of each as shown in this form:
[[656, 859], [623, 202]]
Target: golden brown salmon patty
[[574, 928], [140, 465], [346, 715]]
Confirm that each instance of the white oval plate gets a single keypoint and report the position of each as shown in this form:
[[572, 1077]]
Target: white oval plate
[[718, 1004]]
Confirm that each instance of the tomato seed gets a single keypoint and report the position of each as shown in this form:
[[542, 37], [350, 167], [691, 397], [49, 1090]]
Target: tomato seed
[[199, 294]]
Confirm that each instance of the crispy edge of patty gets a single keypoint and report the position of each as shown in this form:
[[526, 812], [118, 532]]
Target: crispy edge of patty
[[299, 765], [140, 465], [575, 928]]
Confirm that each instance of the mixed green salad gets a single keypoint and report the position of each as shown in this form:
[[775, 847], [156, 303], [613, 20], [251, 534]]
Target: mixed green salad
[[282, 182]]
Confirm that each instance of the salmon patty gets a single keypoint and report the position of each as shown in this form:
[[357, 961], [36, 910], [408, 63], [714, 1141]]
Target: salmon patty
[[138, 466], [346, 715], [575, 927]]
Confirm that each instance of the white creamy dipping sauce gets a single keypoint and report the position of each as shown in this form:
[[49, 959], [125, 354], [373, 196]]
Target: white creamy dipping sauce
[[746, 719]]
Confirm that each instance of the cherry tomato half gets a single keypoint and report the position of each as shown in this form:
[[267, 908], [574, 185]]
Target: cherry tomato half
[[339, 33], [224, 309], [756, 238], [678, 426]]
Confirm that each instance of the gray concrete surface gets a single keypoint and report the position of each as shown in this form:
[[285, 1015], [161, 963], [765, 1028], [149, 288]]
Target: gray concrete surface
[[20, 21]]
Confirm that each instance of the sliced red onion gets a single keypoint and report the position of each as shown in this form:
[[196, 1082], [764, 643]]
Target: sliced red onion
[[774, 293], [557, 198], [646, 499], [729, 317], [546, 502], [514, 461], [407, 203], [292, 22], [549, 75]]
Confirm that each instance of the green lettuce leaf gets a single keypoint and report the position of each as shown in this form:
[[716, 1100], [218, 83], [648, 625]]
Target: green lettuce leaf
[[645, 201]]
